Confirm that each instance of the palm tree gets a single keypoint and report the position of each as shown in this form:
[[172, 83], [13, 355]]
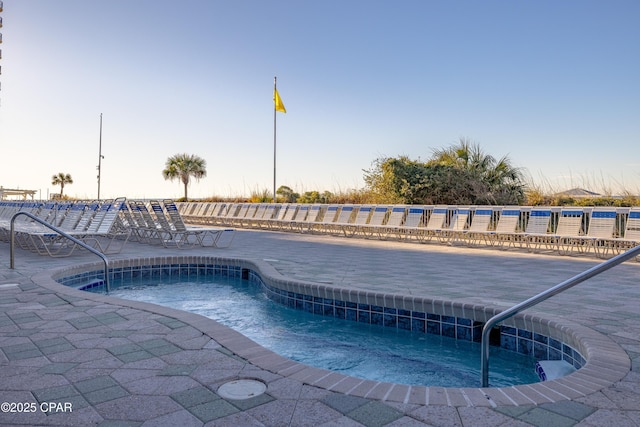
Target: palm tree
[[185, 166], [499, 175], [61, 179]]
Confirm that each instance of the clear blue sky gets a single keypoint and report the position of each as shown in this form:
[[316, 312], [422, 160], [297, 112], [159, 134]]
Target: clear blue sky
[[552, 84]]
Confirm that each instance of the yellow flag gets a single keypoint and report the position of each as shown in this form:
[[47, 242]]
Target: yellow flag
[[278, 101]]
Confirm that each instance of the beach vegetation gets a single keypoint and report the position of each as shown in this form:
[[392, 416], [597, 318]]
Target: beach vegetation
[[315, 197], [459, 174], [286, 194], [262, 196], [184, 167], [61, 179]]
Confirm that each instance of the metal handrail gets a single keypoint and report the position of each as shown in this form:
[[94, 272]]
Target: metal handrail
[[593, 271], [62, 233]]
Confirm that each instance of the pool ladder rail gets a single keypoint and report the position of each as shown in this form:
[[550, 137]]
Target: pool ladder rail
[[561, 287], [62, 233]]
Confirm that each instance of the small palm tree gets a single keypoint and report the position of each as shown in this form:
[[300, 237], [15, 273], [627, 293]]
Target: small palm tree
[[61, 179], [499, 175], [185, 166]]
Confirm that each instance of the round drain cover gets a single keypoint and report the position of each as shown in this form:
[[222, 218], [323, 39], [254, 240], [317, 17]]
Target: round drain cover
[[241, 389]]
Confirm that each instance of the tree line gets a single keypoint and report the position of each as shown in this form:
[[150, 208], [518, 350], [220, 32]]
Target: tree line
[[459, 174]]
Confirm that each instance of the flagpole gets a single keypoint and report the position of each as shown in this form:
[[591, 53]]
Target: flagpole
[[100, 157], [274, 141]]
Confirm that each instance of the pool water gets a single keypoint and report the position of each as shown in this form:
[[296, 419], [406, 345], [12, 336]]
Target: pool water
[[351, 348]]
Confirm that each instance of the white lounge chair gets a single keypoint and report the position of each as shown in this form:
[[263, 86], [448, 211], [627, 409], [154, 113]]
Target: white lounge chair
[[23, 223], [458, 225], [600, 231], [72, 216], [263, 215], [479, 228], [197, 213], [435, 226], [144, 226], [31, 235], [569, 231], [217, 237], [297, 216], [341, 220], [108, 235], [104, 233], [344, 217], [569, 226], [375, 223], [285, 215], [268, 214], [506, 231], [312, 217], [359, 223], [227, 214], [413, 225], [631, 237], [329, 218], [537, 229], [245, 211], [395, 219]]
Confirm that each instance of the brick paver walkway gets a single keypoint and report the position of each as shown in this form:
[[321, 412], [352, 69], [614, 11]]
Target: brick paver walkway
[[66, 359]]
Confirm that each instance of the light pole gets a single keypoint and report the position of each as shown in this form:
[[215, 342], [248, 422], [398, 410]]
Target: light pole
[[100, 156]]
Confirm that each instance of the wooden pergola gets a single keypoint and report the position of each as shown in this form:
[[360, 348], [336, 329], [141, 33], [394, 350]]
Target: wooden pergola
[[6, 192]]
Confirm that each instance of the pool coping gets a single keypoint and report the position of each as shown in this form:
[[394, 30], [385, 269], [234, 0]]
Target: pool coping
[[606, 362]]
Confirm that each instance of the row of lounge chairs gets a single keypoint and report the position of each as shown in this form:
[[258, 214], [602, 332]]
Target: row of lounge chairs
[[105, 225], [567, 230], [160, 222], [96, 224]]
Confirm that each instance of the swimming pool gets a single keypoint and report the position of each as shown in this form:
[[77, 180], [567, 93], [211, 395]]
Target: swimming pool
[[545, 338], [362, 350], [604, 361]]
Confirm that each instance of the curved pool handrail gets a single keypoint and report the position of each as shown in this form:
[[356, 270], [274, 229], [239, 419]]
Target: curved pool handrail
[[62, 233], [569, 283]]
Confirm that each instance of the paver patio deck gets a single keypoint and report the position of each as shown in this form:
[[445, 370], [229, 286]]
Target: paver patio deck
[[117, 363]]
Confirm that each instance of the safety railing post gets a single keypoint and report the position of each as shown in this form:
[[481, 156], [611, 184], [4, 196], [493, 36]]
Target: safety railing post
[[579, 278], [62, 233]]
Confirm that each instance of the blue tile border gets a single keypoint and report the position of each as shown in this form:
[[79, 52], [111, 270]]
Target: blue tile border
[[523, 341]]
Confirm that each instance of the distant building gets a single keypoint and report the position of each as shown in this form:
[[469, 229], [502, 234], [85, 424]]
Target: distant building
[[577, 193]]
